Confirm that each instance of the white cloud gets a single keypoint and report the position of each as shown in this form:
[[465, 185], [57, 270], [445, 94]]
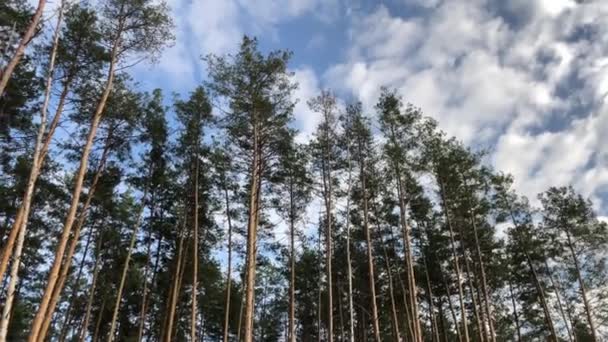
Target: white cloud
[[306, 120], [490, 81]]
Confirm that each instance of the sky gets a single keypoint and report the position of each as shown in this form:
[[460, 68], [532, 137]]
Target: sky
[[525, 79]]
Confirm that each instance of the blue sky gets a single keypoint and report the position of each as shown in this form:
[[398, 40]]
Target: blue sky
[[526, 79]]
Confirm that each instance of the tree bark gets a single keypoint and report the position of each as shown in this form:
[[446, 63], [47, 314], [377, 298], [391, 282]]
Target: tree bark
[[327, 192], [173, 295], [536, 280], [67, 317], [484, 283], [463, 313], [85, 325], [125, 268], [559, 300], [252, 231], [69, 221], [229, 270], [5, 74], [515, 314], [409, 261], [65, 268], [370, 257], [349, 266], [291, 334], [20, 221], [194, 307], [581, 283]]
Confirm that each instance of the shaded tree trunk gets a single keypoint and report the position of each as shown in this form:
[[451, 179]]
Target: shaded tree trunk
[[252, 231], [463, 313], [229, 270], [85, 325], [5, 74], [125, 268], [69, 221], [581, 284], [19, 227]]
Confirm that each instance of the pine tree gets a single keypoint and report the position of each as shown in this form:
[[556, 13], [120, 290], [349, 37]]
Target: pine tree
[[257, 89], [325, 154], [26, 38]]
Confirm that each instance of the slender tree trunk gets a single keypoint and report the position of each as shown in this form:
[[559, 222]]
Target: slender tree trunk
[[484, 283], [85, 325], [69, 221], [370, 257], [229, 271], [146, 299], [392, 297], [252, 230], [451, 307], [65, 268], [20, 218], [5, 73], [434, 326], [125, 268], [559, 300], [349, 267], [20, 226], [463, 313], [174, 294], [291, 334], [144, 296], [98, 323], [195, 241], [536, 280], [581, 284], [327, 190], [477, 310], [409, 260], [240, 324], [515, 314], [68, 318], [319, 303]]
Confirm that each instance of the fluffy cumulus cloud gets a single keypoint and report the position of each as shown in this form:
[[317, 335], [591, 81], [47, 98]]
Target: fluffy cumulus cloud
[[527, 79]]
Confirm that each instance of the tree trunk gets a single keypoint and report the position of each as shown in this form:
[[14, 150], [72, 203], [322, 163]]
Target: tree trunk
[[559, 300], [194, 307], [451, 307], [144, 311], [349, 266], [515, 314], [20, 226], [484, 283], [392, 297], [477, 310], [409, 261], [68, 318], [85, 325], [581, 284], [5, 74], [69, 221], [144, 296], [370, 257], [327, 195], [463, 313], [536, 280], [252, 231], [20, 217], [434, 326], [65, 268], [125, 268], [229, 271], [173, 295], [291, 334]]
